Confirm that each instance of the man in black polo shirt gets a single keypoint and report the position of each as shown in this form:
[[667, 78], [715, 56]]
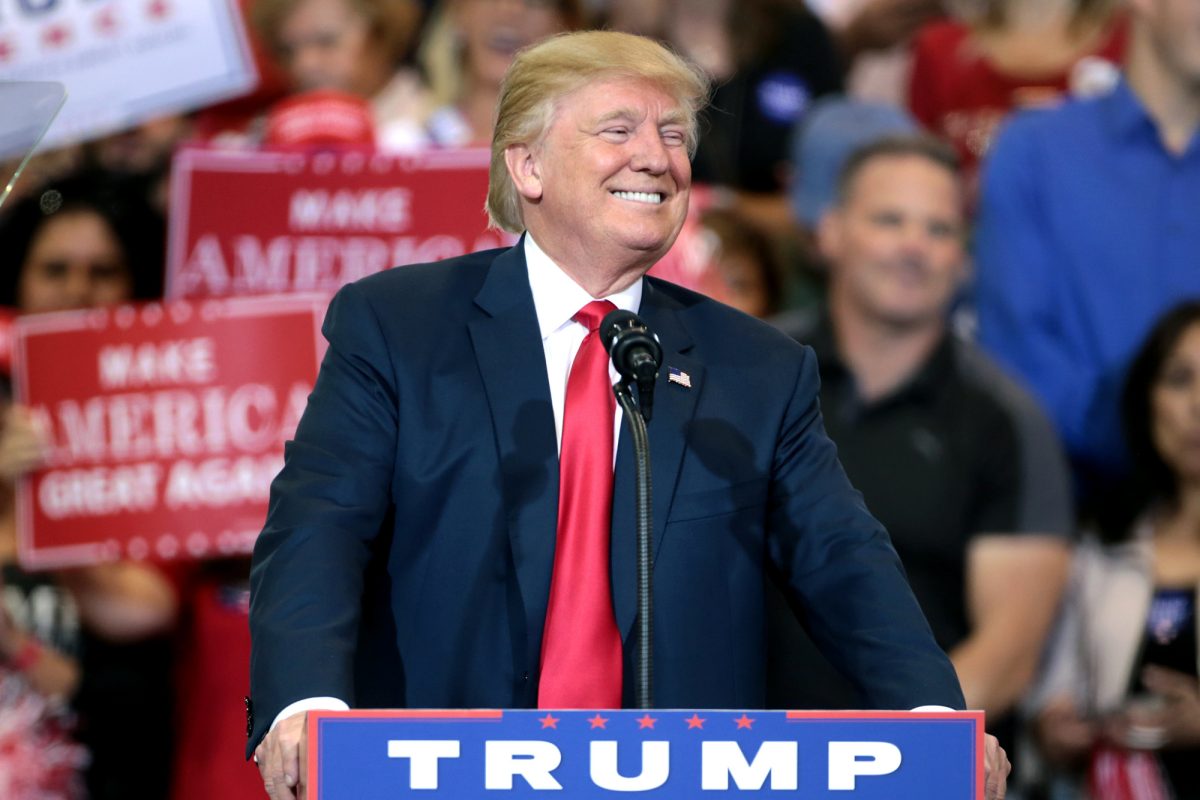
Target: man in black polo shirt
[[953, 457]]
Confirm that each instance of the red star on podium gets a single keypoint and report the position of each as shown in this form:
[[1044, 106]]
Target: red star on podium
[[106, 21], [646, 722], [695, 721], [744, 722], [158, 9], [6, 51], [56, 36], [549, 721], [598, 722]]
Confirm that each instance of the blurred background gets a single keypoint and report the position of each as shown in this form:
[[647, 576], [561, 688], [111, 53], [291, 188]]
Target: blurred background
[[984, 216]]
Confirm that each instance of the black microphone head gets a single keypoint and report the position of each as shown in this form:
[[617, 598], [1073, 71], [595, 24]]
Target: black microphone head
[[635, 351], [615, 323]]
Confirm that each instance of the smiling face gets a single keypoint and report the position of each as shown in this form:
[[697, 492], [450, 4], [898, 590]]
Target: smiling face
[[895, 241], [1175, 408], [605, 191]]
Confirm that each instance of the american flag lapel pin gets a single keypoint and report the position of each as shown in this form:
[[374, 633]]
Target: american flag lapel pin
[[676, 375]]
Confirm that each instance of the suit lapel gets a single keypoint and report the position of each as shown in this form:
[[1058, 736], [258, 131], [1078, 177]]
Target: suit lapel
[[674, 407], [508, 349]]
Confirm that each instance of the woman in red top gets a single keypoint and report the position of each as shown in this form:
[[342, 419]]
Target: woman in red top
[[969, 73]]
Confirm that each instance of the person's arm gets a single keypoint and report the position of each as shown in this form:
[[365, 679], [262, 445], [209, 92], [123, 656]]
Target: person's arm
[[119, 602], [1178, 713], [22, 444], [1014, 583], [282, 752], [1014, 580], [842, 570], [123, 602], [50, 673], [882, 25], [326, 508], [1063, 735], [1056, 704], [769, 212], [282, 758]]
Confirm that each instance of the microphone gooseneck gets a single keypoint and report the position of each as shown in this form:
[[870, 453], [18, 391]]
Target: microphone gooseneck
[[636, 354]]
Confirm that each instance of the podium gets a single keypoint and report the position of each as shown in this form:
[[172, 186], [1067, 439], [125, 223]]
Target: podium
[[372, 755]]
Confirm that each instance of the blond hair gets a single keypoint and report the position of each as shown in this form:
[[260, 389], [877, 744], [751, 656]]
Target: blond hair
[[542, 75]]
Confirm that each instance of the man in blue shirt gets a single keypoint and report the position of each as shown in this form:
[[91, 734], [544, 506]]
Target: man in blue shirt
[[1089, 229]]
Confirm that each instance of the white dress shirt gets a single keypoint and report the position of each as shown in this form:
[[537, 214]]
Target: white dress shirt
[[556, 299]]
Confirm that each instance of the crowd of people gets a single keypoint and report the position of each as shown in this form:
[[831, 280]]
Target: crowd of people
[[981, 215]]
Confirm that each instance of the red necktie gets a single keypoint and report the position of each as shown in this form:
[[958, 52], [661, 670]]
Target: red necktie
[[581, 647]]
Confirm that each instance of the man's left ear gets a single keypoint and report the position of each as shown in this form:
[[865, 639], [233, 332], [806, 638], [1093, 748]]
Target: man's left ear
[[524, 170]]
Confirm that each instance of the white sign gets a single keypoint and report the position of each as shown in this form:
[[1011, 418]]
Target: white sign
[[124, 61]]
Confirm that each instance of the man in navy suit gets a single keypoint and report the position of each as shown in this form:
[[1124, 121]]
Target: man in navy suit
[[408, 554]]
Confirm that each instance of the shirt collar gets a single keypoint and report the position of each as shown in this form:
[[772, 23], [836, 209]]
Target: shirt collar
[[924, 386], [1126, 114], [557, 297], [1129, 119]]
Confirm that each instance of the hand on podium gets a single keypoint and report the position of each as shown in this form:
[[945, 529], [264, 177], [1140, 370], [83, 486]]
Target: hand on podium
[[281, 758], [996, 767]]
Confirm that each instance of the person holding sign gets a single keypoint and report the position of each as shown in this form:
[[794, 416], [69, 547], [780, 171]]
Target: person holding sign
[[454, 527], [82, 243]]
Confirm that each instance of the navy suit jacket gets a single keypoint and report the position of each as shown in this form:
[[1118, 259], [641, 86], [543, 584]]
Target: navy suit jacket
[[407, 552]]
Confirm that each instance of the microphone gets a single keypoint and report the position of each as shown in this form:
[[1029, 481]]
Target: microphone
[[635, 352]]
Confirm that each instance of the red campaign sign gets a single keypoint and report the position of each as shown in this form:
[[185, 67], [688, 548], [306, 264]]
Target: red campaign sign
[[266, 222], [165, 424]]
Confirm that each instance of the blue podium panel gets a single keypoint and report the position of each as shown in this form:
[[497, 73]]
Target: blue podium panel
[[469, 755]]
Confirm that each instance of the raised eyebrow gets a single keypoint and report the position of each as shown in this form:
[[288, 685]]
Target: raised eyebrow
[[672, 118], [622, 114]]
